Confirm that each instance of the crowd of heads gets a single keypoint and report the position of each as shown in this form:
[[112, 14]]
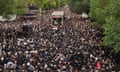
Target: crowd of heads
[[75, 47]]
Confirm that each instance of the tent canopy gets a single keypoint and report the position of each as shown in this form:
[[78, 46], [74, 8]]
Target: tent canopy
[[58, 13]]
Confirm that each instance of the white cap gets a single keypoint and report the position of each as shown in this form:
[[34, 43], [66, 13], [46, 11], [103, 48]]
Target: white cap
[[45, 66], [9, 53], [28, 64], [61, 58], [64, 67], [2, 58]]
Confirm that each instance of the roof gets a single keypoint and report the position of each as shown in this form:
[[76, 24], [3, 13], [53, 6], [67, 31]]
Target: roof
[[58, 13]]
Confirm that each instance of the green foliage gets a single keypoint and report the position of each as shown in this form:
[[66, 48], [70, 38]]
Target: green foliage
[[97, 10], [50, 4], [79, 6], [106, 13], [112, 26], [6, 7], [20, 6]]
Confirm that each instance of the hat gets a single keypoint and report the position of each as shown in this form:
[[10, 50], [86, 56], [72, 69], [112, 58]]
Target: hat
[[64, 67], [9, 53], [61, 58], [2, 58], [28, 64]]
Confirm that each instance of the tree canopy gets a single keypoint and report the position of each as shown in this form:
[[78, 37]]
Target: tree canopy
[[98, 10], [6, 7], [112, 25], [106, 13], [20, 6], [79, 6]]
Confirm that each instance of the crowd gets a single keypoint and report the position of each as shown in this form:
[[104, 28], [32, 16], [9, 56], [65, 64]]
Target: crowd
[[75, 47]]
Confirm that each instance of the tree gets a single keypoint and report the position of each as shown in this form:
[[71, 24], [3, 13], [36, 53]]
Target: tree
[[50, 4], [106, 13], [97, 10], [112, 26], [6, 7], [60, 3], [79, 6], [19, 7]]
